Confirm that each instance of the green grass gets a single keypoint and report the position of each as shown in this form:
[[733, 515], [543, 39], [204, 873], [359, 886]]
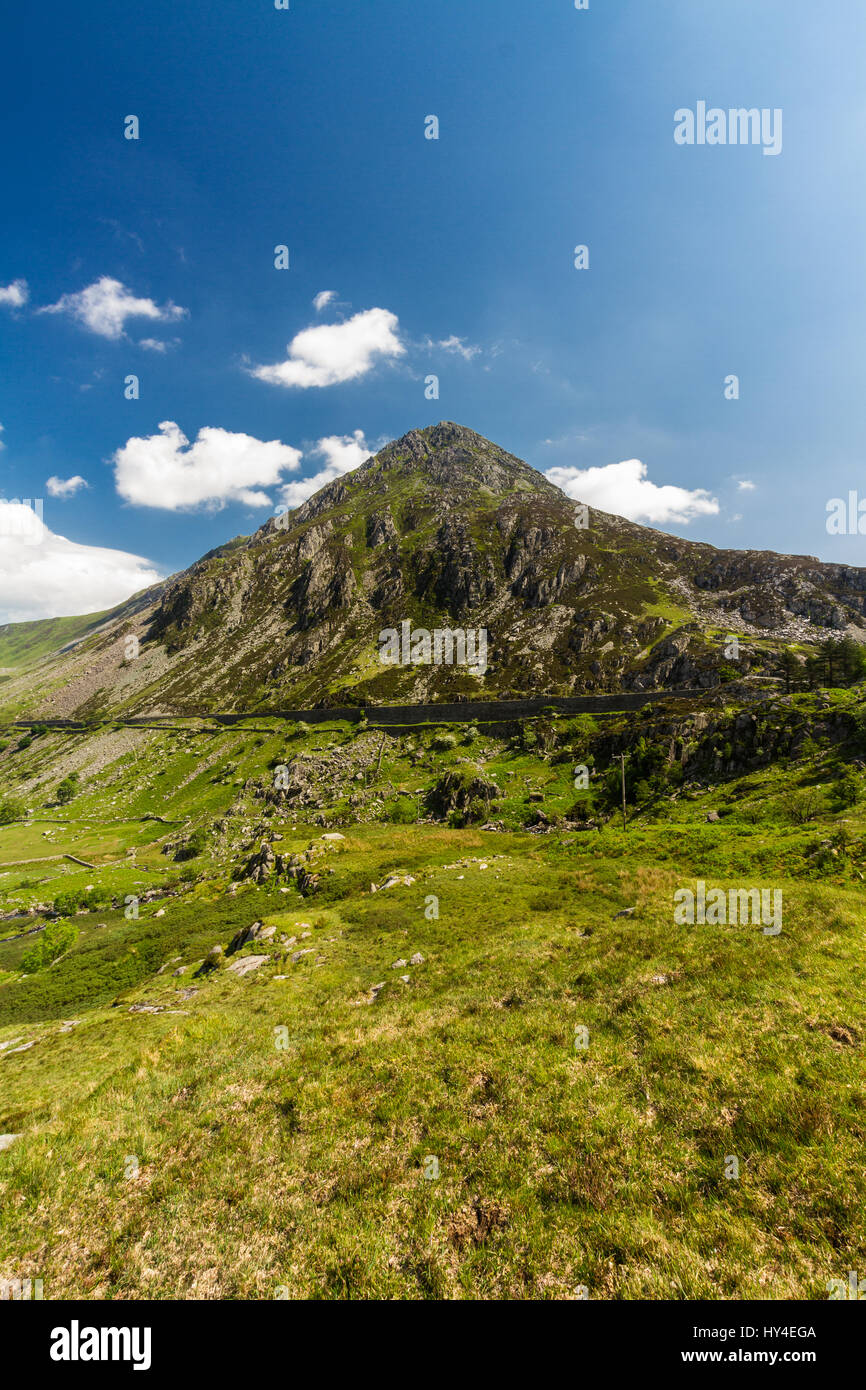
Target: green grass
[[283, 1130], [23, 644]]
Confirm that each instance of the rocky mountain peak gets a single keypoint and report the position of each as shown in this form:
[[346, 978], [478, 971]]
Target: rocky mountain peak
[[452, 455], [444, 529]]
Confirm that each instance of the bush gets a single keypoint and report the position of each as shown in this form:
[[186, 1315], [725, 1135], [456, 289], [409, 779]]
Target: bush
[[66, 789], [802, 806], [11, 810], [71, 899], [848, 789], [56, 940], [400, 810], [443, 743]]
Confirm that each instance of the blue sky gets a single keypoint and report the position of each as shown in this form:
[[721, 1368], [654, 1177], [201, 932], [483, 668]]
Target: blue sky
[[454, 257]]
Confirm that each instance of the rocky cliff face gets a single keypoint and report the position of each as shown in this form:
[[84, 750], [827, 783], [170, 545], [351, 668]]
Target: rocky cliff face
[[444, 529]]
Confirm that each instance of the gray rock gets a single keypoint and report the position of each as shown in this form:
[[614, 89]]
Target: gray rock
[[247, 964], [244, 937], [212, 961], [7, 1140]]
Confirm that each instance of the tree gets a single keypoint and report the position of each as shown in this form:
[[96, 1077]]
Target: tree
[[852, 656], [792, 669], [11, 810], [56, 940], [828, 652], [66, 789]]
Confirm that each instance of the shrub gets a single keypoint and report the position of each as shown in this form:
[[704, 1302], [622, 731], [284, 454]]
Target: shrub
[[71, 899], [400, 810], [443, 743], [848, 789], [11, 810], [66, 789], [802, 806], [56, 940]]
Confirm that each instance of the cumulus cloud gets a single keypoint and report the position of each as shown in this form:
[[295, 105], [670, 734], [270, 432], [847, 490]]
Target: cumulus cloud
[[14, 295], [166, 471], [625, 489], [341, 453], [65, 487], [323, 299], [43, 575], [745, 486], [104, 307], [335, 352]]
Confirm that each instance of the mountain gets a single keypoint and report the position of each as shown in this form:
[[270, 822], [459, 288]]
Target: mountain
[[444, 530]]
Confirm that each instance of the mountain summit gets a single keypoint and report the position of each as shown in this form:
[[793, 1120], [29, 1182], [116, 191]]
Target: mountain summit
[[442, 531]]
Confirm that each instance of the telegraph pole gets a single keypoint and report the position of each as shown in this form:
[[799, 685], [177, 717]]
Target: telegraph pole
[[622, 765]]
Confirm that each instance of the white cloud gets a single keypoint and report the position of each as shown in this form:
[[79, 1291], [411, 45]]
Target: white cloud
[[459, 346], [104, 307], [60, 487], [745, 486], [342, 454], [323, 299], [15, 295], [157, 344], [43, 575], [166, 471], [332, 353], [624, 488]]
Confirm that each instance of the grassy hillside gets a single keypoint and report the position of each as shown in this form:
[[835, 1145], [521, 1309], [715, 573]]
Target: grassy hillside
[[24, 644], [323, 1126]]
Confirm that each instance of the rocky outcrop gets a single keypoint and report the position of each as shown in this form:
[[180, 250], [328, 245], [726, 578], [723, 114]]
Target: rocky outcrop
[[459, 790]]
